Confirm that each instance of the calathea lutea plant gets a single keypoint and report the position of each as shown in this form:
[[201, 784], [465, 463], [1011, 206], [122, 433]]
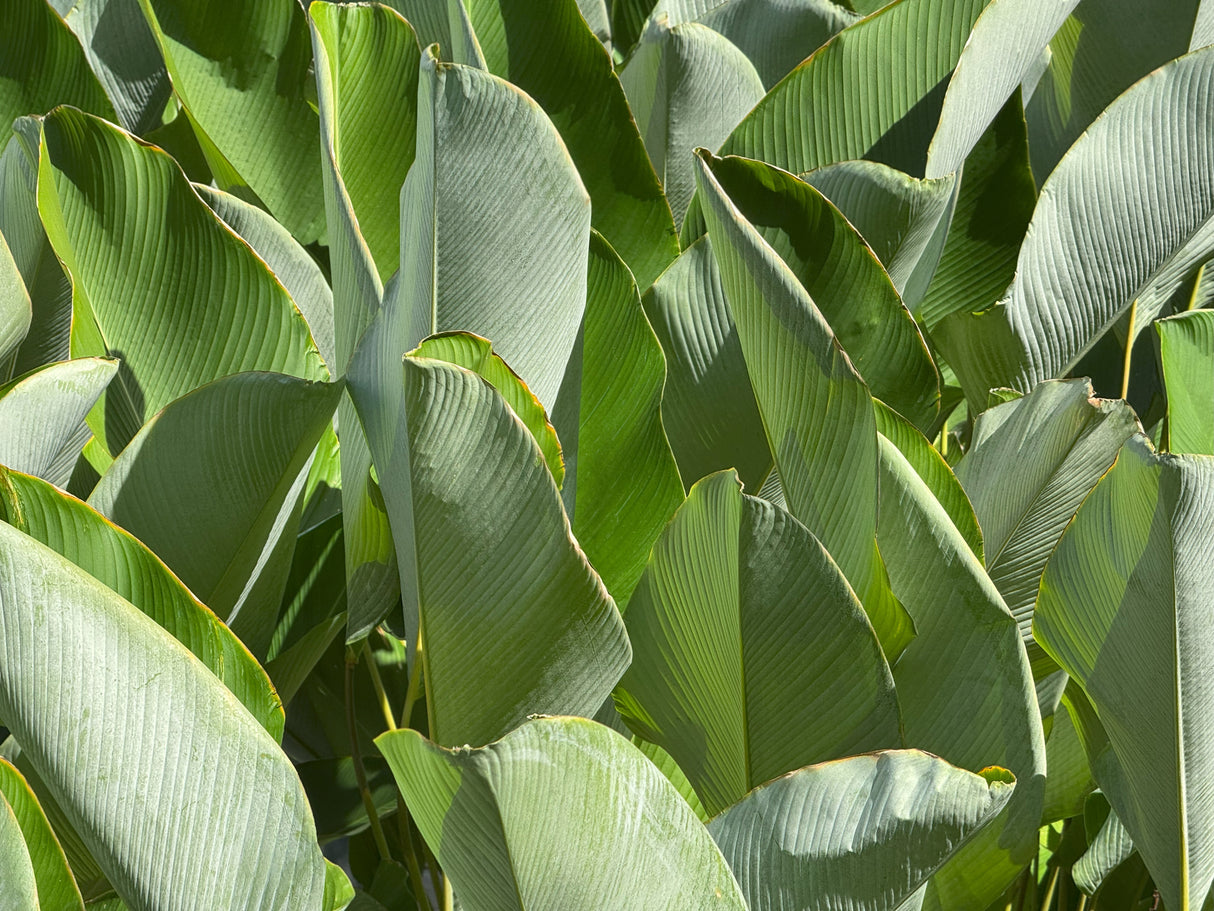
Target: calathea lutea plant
[[550, 455]]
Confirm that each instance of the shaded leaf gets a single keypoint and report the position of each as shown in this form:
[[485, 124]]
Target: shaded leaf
[[1186, 353], [56, 888]]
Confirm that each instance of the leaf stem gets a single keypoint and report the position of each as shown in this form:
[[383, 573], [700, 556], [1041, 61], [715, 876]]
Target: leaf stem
[[448, 894], [1129, 347], [1049, 890], [415, 673], [377, 682], [1196, 285], [360, 773]]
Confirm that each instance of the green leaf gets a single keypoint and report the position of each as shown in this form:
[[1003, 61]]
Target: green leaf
[[1186, 353], [751, 654], [42, 427], [1126, 589], [143, 747], [904, 220], [240, 71], [338, 891], [463, 349], [1006, 41], [1106, 851], [964, 682], [845, 280], [621, 483], [933, 470], [56, 888], [1083, 266], [154, 271], [20, 887], [708, 408], [873, 91], [50, 292], [122, 52], [688, 87], [560, 813], [1030, 465], [290, 263], [15, 311], [860, 834], [628, 22], [230, 458], [124, 564], [44, 65], [1100, 52], [546, 49], [819, 418], [1069, 781]]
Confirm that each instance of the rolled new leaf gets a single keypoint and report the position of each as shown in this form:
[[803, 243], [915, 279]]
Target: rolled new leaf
[[859, 834], [142, 747], [561, 813], [57, 890], [751, 655]]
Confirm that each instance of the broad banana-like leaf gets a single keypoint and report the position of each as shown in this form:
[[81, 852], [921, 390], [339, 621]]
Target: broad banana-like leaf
[[1070, 780], [1083, 266], [751, 654], [57, 889], [1008, 38], [546, 49], [903, 219], [818, 417], [16, 869], [672, 770], [708, 408], [778, 34], [513, 588], [1107, 849], [1186, 353], [688, 87], [124, 564], [845, 280], [159, 280], [560, 813], [934, 471], [964, 683], [367, 63], [995, 201], [595, 14], [240, 71], [44, 65], [42, 414], [1031, 463], [621, 481], [290, 263], [628, 19], [122, 52], [1100, 51], [231, 456], [476, 354], [860, 834], [1127, 588], [143, 747], [901, 56], [50, 292], [15, 310]]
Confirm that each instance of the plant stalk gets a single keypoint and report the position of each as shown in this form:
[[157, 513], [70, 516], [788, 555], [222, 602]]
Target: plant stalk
[[360, 773], [1196, 284], [377, 682], [1129, 347], [1049, 890]]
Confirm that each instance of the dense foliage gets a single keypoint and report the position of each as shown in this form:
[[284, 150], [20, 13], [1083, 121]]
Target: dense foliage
[[544, 455]]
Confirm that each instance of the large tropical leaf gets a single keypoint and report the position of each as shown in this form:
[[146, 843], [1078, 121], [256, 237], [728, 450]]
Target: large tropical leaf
[[15, 311], [751, 654], [546, 49], [708, 408], [57, 889], [127, 566], [1084, 264], [42, 429], [1128, 588], [560, 813], [964, 683], [20, 886], [895, 63], [159, 280], [894, 818], [843, 278], [229, 460], [818, 415], [1186, 353], [1108, 847], [143, 747], [621, 481], [241, 72], [1031, 462], [688, 87]]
